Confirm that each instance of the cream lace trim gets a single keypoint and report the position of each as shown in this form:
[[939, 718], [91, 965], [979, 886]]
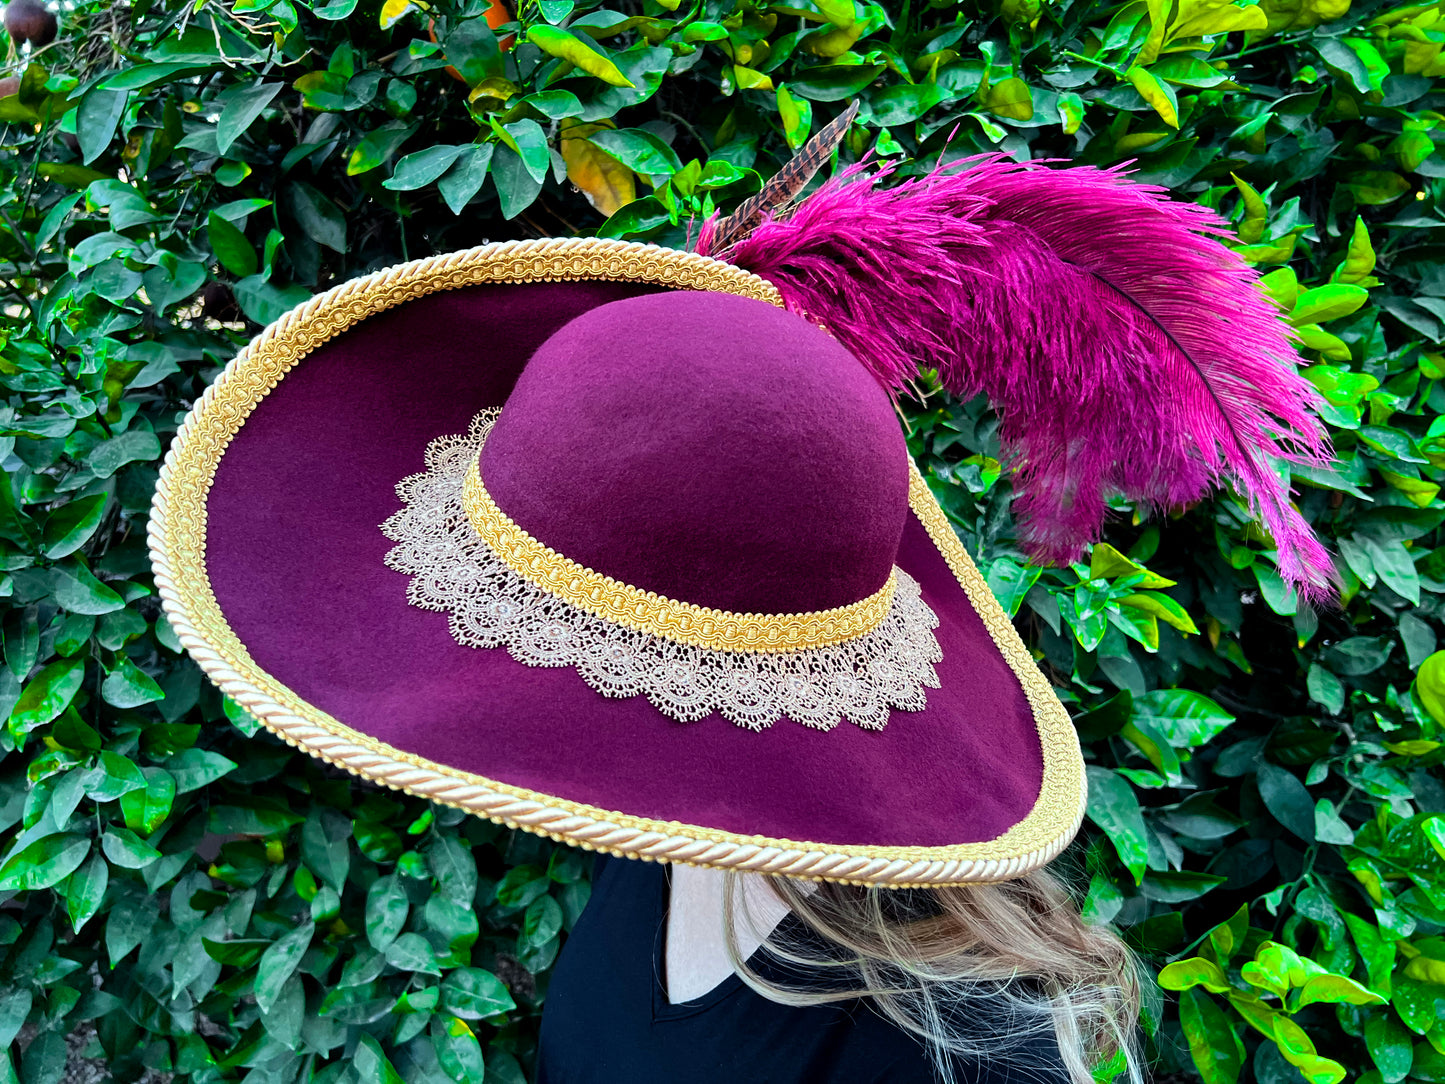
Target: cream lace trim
[[453, 570]]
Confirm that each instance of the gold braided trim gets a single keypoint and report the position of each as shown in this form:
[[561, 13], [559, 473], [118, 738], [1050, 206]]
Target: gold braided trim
[[177, 535], [647, 611]]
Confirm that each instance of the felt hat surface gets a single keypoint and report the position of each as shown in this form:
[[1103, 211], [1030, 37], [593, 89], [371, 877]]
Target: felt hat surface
[[595, 539]]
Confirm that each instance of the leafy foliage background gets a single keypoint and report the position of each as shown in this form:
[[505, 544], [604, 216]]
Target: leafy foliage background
[[178, 896]]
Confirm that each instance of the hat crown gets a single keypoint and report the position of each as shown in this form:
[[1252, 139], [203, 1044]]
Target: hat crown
[[710, 448]]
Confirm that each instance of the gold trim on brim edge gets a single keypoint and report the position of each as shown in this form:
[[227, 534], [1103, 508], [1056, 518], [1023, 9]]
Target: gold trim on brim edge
[[647, 611], [177, 534]]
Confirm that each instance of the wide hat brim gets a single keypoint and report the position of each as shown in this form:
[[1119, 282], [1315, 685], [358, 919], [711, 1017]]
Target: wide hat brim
[[269, 558]]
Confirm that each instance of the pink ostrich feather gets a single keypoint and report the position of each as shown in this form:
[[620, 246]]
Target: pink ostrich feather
[[1125, 349]]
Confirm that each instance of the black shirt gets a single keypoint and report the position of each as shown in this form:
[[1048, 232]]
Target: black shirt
[[607, 1019]]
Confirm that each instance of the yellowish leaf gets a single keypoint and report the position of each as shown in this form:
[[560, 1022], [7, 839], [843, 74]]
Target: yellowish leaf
[[1163, 607], [557, 42], [831, 42], [1416, 490], [393, 10], [1158, 27], [1157, 94], [1213, 17], [1359, 263], [1252, 228], [606, 182], [748, 79], [1137, 141], [1412, 748], [1010, 98]]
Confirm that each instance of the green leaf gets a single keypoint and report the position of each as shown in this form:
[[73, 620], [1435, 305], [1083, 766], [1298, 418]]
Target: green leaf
[[47, 694], [1329, 828], [1390, 1047], [833, 82], [236, 254], [97, 119], [278, 963], [412, 952], [319, 218], [473, 49], [70, 526], [559, 43], [265, 302], [1215, 1046], [457, 1049], [146, 808], [136, 446], [1177, 886], [1393, 563], [44, 863], [1011, 582], [85, 890], [1325, 689], [1325, 303], [372, 1065], [386, 911], [541, 922], [1228, 937], [1287, 799], [240, 112], [113, 776], [44, 1060], [527, 139], [128, 686], [422, 168], [1336, 989], [464, 179], [474, 994], [195, 768], [1187, 719], [145, 76], [1114, 808], [1374, 949], [14, 1008], [638, 150], [1195, 971], [334, 10], [377, 146], [516, 188], [903, 104], [127, 924], [240, 953], [454, 868], [124, 848]]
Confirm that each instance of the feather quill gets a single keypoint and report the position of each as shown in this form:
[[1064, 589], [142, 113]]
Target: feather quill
[[1125, 349], [775, 198]]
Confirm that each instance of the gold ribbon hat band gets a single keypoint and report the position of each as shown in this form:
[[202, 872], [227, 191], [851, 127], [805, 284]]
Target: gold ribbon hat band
[[647, 611]]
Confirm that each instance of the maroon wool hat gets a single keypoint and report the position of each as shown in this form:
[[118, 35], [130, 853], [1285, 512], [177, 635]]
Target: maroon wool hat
[[597, 540], [623, 545]]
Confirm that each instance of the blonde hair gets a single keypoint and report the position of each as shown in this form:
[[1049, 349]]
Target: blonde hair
[[974, 971]]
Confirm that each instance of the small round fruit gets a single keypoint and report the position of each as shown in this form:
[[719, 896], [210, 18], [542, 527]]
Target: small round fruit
[[30, 20], [9, 85]]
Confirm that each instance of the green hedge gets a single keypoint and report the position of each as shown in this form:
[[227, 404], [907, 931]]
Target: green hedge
[[179, 895]]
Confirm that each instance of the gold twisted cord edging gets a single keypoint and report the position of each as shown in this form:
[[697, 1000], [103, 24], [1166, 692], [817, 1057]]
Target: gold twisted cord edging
[[177, 535], [647, 611]]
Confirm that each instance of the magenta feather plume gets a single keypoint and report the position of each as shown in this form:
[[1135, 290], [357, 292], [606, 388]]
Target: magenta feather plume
[[1125, 349]]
